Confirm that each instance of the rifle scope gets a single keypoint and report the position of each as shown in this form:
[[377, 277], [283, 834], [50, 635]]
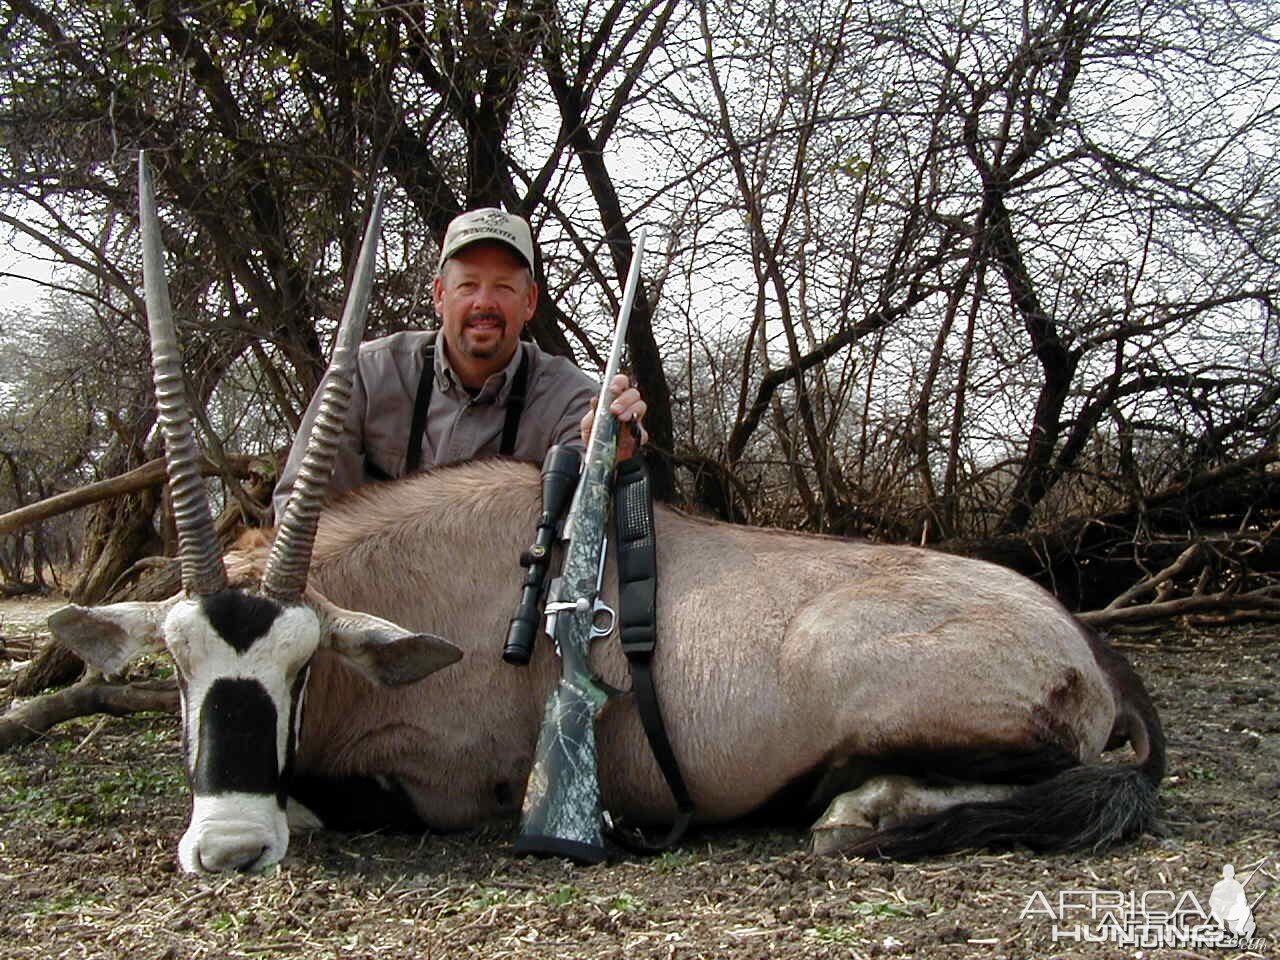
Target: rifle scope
[[559, 480]]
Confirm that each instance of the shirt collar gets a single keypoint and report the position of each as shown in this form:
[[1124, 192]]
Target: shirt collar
[[495, 390]]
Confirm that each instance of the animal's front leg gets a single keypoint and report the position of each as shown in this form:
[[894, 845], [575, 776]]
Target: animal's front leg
[[302, 819], [354, 804]]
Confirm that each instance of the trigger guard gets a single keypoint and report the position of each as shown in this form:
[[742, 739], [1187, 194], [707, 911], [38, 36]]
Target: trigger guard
[[599, 631]]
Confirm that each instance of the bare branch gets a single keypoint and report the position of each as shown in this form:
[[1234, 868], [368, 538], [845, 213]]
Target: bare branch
[[1151, 583], [1264, 601]]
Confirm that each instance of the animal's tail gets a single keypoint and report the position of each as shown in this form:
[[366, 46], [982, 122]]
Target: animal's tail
[[1090, 806]]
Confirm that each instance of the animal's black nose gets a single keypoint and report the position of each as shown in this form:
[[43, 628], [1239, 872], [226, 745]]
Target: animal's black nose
[[251, 863]]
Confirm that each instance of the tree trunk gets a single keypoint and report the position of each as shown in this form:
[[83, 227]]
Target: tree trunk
[[117, 535]]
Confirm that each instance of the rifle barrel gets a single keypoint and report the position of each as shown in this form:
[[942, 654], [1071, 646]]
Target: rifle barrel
[[620, 333]]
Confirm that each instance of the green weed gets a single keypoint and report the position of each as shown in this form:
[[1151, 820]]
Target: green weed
[[880, 910], [674, 860], [68, 903], [826, 934], [624, 903], [486, 897], [563, 895]]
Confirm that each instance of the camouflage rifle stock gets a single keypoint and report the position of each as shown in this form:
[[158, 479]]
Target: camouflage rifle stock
[[562, 814]]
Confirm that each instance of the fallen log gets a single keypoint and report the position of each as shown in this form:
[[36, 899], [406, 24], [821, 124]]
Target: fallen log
[[150, 474], [29, 720], [24, 589], [53, 666]]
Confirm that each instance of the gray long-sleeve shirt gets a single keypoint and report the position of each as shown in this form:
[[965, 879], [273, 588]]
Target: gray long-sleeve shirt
[[459, 426]]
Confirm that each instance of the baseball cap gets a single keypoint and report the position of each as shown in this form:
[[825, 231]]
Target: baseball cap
[[488, 223]]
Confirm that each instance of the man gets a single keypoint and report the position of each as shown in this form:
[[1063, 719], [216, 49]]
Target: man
[[487, 392], [1229, 905]]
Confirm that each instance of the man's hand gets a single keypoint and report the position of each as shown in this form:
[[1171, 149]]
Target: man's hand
[[629, 408]]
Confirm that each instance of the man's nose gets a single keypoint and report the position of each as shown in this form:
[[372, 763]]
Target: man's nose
[[486, 296]]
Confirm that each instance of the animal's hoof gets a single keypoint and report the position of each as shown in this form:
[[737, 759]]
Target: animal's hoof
[[831, 840], [844, 823]]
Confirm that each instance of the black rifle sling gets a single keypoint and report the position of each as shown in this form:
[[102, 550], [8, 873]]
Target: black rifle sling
[[637, 615], [515, 404], [422, 403]]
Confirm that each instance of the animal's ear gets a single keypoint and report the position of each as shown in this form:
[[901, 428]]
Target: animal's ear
[[386, 653], [108, 637]]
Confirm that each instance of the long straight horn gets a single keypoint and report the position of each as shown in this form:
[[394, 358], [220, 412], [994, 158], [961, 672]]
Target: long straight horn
[[286, 574], [202, 569]]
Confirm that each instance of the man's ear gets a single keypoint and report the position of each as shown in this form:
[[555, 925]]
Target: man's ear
[[385, 652], [437, 292], [532, 300], [109, 637]]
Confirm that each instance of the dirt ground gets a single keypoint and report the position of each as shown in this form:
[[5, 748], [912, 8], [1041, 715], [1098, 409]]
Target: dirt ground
[[90, 817]]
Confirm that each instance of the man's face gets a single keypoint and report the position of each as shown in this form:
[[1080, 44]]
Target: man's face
[[484, 297]]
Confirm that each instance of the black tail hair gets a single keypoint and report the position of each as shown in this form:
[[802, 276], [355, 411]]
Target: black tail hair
[[1085, 807], [1091, 807]]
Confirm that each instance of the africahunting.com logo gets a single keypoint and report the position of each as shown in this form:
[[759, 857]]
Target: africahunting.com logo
[[1150, 919]]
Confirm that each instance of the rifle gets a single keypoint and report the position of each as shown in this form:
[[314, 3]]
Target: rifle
[[562, 814]]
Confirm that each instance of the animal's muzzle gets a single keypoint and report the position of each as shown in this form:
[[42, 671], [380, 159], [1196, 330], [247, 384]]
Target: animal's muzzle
[[245, 833]]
